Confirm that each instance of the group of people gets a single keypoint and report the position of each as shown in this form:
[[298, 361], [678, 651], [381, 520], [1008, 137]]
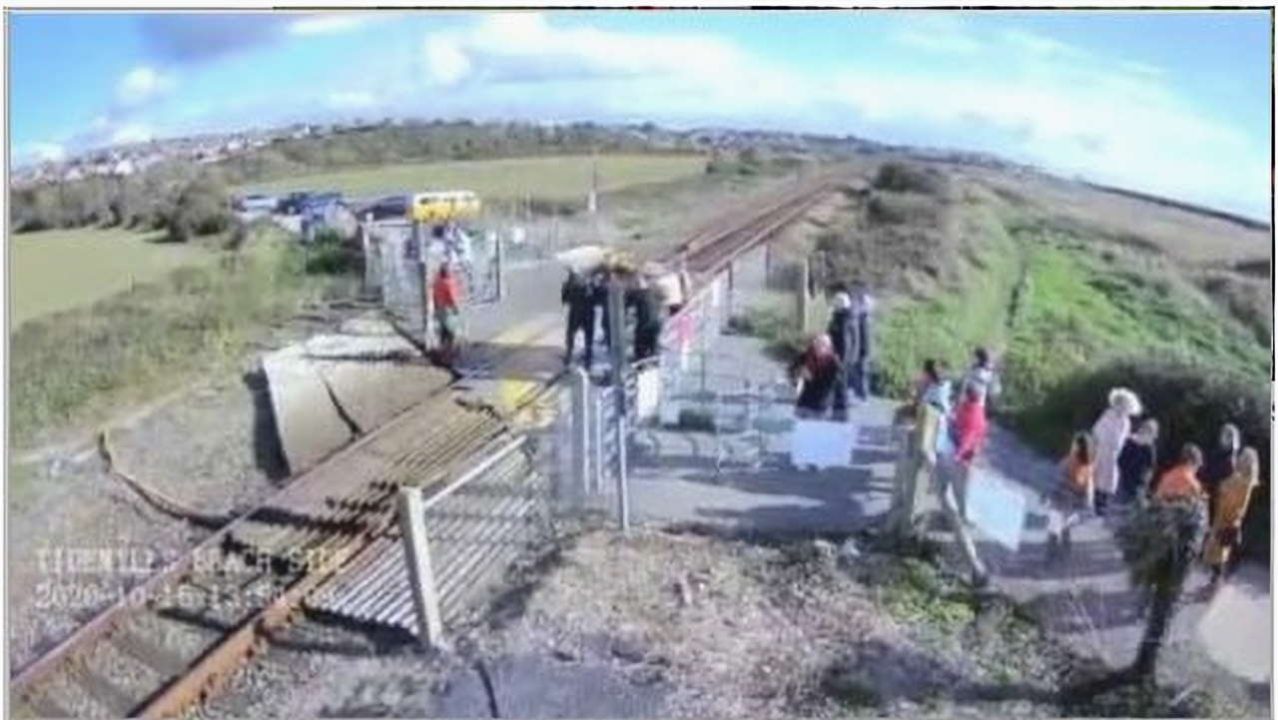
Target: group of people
[[836, 363], [586, 297], [948, 429], [1111, 463]]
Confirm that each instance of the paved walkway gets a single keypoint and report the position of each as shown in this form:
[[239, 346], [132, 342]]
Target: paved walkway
[[740, 479]]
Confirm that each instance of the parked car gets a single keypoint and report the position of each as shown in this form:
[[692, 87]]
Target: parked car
[[296, 202], [255, 203], [442, 206]]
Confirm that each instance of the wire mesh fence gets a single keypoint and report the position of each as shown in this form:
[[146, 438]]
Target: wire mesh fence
[[394, 269]]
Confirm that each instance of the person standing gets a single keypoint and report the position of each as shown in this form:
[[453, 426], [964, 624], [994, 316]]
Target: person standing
[[1181, 481], [648, 318], [447, 296], [577, 295], [599, 283], [970, 431], [916, 465], [842, 330], [1110, 433], [1233, 497], [936, 387], [1136, 463], [862, 309], [968, 436], [1072, 495], [822, 385], [983, 376], [1219, 463]]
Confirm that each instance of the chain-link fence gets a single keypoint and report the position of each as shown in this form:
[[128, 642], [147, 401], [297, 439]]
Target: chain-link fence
[[393, 267]]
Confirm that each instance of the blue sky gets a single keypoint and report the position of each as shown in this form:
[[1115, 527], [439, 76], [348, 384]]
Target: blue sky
[[1174, 102]]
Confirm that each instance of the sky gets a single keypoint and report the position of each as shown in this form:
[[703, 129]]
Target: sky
[[1175, 102]]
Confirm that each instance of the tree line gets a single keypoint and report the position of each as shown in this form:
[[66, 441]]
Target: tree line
[[187, 198]]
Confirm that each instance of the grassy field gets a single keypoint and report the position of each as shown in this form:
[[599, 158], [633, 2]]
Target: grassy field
[[553, 178], [63, 269], [1186, 236], [73, 368]]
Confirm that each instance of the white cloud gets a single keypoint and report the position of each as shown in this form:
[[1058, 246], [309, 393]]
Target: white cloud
[[939, 34], [141, 85], [352, 100], [524, 47], [327, 24], [131, 133], [1042, 46], [1025, 95]]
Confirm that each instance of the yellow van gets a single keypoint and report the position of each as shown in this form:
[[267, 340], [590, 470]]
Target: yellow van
[[443, 206]]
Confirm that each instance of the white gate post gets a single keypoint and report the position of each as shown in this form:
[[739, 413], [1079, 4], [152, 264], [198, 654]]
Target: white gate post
[[412, 524], [580, 383]]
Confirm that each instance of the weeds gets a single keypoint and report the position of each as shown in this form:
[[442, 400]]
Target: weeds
[[77, 363]]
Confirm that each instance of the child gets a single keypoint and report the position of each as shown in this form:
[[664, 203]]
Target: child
[[1074, 493]]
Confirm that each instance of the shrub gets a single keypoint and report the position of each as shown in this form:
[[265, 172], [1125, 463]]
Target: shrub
[[908, 177], [1190, 401], [202, 208], [904, 208], [329, 254]]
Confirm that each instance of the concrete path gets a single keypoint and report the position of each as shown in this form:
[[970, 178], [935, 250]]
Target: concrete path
[[740, 477], [741, 480]]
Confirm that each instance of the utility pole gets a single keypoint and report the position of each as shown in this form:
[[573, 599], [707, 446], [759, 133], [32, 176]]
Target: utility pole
[[592, 200], [617, 336]]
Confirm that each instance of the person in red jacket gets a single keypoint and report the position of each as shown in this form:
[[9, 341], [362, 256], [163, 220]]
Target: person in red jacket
[[970, 426], [968, 429], [446, 295]]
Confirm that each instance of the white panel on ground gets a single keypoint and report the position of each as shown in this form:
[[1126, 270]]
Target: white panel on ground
[[648, 400], [821, 443], [375, 374], [365, 375], [996, 507], [306, 420]]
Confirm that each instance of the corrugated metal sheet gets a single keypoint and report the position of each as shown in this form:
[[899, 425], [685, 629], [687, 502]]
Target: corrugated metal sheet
[[474, 534]]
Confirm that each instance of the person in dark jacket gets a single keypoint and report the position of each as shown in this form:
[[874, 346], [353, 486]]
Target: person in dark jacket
[[842, 330], [599, 297], [1221, 461], [822, 381], [577, 294], [1136, 463], [648, 308]]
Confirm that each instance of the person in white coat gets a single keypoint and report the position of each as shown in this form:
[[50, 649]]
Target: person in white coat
[[1110, 433]]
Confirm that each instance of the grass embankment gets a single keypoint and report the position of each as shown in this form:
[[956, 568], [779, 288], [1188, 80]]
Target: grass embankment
[[61, 269], [73, 366], [559, 177]]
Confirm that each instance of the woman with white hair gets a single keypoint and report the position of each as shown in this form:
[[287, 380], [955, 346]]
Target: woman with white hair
[[1110, 433]]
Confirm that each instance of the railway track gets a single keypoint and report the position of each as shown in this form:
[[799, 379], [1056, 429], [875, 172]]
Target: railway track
[[173, 640]]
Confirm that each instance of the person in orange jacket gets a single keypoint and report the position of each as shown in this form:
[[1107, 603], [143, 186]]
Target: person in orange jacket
[[1181, 481], [1072, 495], [1233, 496]]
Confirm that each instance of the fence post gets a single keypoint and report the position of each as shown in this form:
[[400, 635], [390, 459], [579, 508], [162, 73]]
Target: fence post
[[499, 261], [580, 383], [617, 327], [805, 277], [412, 523], [597, 436], [423, 272], [368, 254]]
